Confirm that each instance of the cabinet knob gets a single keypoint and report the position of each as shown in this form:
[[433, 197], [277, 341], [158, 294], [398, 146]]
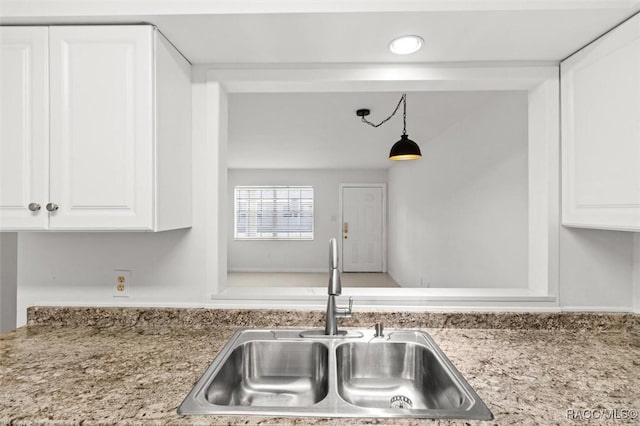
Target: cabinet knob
[[34, 207], [51, 207]]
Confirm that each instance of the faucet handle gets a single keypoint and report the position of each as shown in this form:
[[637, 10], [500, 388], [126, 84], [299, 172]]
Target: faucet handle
[[345, 312]]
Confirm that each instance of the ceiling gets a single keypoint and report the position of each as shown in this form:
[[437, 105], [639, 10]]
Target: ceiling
[[364, 37], [321, 130], [348, 31]]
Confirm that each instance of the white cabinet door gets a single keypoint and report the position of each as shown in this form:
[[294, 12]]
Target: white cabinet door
[[600, 95], [24, 162], [101, 169]]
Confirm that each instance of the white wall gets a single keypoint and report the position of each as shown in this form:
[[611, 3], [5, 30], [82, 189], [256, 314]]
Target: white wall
[[458, 217], [596, 269], [294, 256], [167, 267], [8, 280]]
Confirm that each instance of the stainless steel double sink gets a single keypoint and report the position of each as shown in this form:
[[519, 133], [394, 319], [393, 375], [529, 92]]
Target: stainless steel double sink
[[281, 373]]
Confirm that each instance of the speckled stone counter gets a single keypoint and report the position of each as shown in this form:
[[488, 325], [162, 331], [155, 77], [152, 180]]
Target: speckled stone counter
[[135, 366]]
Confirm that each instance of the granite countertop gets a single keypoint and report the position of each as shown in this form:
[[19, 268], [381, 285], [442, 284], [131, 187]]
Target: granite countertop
[[136, 365]]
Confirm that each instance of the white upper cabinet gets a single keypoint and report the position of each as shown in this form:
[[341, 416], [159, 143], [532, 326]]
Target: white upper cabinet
[[600, 96], [119, 141], [24, 132], [101, 127]]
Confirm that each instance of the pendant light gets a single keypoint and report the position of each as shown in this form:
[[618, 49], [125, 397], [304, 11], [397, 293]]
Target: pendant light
[[405, 148]]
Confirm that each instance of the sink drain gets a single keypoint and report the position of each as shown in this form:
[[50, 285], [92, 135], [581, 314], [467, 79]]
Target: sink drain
[[400, 401]]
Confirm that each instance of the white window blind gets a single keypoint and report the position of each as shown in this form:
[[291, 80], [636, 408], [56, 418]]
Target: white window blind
[[273, 213]]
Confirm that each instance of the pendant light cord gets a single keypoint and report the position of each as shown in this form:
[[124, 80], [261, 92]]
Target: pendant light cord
[[403, 100]]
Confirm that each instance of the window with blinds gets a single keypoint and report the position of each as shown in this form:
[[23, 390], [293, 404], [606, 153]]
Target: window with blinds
[[273, 213]]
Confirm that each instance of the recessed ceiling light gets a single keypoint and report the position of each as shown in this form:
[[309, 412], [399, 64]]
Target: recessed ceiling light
[[405, 45]]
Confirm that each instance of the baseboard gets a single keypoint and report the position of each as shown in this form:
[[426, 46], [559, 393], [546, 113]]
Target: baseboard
[[280, 270]]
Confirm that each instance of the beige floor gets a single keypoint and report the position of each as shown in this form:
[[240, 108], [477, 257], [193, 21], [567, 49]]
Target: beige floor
[[292, 279]]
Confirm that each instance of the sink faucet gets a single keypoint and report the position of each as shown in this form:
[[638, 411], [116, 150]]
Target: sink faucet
[[335, 289]]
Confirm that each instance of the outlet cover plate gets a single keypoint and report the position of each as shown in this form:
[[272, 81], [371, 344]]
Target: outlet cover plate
[[121, 282]]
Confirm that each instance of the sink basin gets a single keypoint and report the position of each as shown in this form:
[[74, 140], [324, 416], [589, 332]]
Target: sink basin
[[285, 372], [405, 375], [272, 374]]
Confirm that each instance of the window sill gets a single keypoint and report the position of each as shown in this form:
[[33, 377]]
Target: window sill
[[388, 298]]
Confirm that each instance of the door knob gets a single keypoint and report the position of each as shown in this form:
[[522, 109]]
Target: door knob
[[51, 207], [34, 207]]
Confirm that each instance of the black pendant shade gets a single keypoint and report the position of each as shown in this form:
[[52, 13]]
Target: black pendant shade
[[405, 149]]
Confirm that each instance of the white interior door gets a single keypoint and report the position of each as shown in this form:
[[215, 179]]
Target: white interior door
[[24, 132], [362, 228]]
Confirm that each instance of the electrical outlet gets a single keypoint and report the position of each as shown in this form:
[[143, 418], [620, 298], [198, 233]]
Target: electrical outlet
[[121, 283]]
